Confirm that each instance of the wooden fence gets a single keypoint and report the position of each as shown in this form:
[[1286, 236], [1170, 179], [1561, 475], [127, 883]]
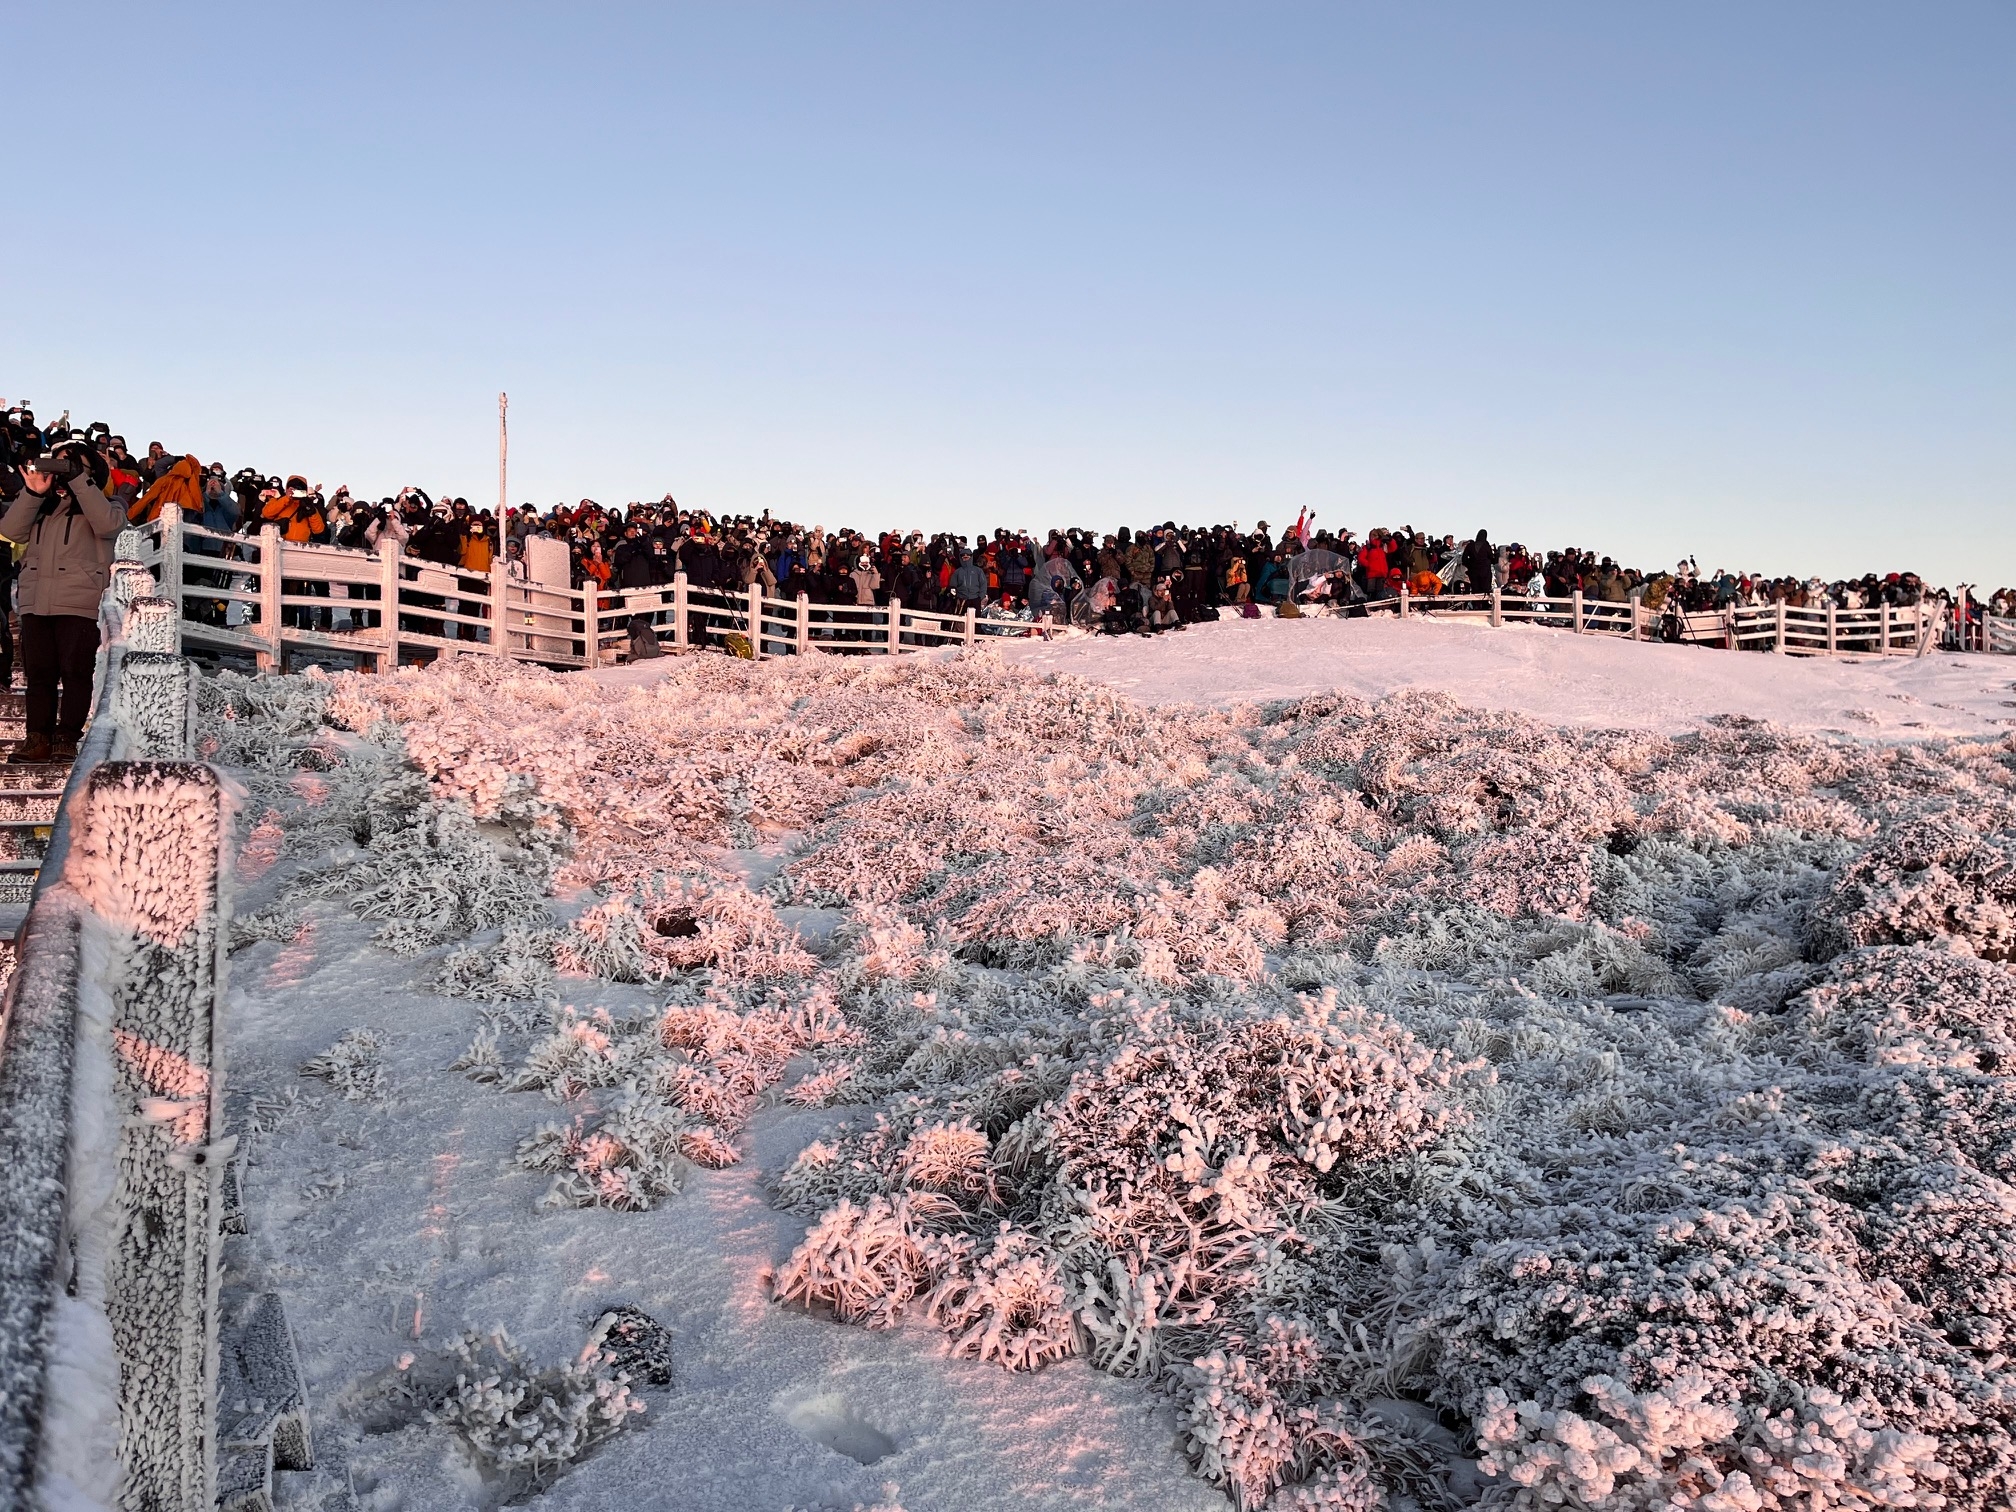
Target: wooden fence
[[266, 597], [1886, 630]]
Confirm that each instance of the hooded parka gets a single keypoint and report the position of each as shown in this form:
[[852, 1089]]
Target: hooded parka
[[69, 546]]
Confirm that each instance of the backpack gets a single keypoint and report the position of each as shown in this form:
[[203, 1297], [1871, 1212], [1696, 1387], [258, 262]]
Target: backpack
[[643, 639], [1249, 610]]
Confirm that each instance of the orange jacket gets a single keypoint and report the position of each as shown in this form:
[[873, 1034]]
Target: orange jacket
[[299, 519], [181, 484], [476, 553]]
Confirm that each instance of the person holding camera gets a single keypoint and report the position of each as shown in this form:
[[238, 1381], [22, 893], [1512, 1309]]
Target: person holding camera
[[68, 527]]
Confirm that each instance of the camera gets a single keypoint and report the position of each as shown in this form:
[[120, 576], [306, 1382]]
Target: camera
[[62, 464]]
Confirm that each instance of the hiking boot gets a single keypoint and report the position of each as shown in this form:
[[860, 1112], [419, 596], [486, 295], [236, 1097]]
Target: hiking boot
[[62, 750], [33, 750]]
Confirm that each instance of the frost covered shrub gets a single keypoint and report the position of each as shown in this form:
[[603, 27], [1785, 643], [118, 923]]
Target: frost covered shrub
[[518, 967], [865, 1263], [1007, 1304], [670, 924], [1935, 878], [689, 1080], [1676, 1447], [354, 1066], [526, 1424]]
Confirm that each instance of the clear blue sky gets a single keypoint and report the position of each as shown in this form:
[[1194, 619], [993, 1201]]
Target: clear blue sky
[[1734, 279]]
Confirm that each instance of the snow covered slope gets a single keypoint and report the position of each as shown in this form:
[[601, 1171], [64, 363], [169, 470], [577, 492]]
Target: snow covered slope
[[1551, 675], [1356, 1098]]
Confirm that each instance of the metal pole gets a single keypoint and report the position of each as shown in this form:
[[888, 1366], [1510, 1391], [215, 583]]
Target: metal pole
[[503, 465]]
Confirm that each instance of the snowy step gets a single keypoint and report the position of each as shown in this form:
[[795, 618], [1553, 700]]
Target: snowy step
[[36, 777], [262, 1412], [17, 809]]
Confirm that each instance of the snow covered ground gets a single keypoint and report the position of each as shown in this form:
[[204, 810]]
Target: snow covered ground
[[1548, 674], [1351, 1104]]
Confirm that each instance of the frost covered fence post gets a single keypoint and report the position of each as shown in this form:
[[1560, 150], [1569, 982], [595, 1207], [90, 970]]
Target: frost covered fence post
[[591, 623], [755, 611], [170, 586], [804, 623], [681, 635], [1778, 633], [141, 882], [153, 704], [500, 587], [1497, 607], [1833, 639], [970, 617], [272, 658], [1404, 597], [1575, 610], [895, 625], [1637, 614], [388, 590]]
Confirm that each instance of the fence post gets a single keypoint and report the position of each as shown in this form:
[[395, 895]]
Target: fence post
[[274, 660], [500, 588], [895, 625], [591, 623], [804, 625], [1575, 609], [679, 633], [1883, 628], [1403, 600], [756, 619], [388, 592], [1830, 627], [171, 566], [1780, 645], [1637, 604], [1497, 607], [970, 617]]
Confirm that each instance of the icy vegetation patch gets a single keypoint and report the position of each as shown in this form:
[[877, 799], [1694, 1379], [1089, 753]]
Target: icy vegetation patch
[[354, 1066], [526, 1425], [1432, 1104]]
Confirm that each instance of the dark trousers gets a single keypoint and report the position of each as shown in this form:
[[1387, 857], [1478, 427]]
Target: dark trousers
[[58, 649]]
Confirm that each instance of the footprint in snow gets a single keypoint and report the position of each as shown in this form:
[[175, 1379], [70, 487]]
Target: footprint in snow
[[831, 1421]]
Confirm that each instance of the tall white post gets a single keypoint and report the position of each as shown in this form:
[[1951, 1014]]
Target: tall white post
[[1831, 639], [1575, 609], [804, 625], [1404, 597], [971, 616], [1637, 609], [756, 619], [679, 611], [1781, 626], [895, 624], [1497, 607], [503, 459]]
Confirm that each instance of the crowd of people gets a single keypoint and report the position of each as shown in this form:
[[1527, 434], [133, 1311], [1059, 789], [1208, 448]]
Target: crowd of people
[[1142, 580]]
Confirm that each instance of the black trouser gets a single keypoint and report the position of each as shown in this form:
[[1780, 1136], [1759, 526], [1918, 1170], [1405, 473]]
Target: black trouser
[[58, 649]]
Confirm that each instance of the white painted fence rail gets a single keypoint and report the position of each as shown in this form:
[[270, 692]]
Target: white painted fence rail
[[265, 596]]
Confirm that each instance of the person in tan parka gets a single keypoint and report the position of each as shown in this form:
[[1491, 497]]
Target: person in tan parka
[[68, 527]]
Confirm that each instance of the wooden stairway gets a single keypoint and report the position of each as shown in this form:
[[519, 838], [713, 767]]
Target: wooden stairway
[[29, 796]]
